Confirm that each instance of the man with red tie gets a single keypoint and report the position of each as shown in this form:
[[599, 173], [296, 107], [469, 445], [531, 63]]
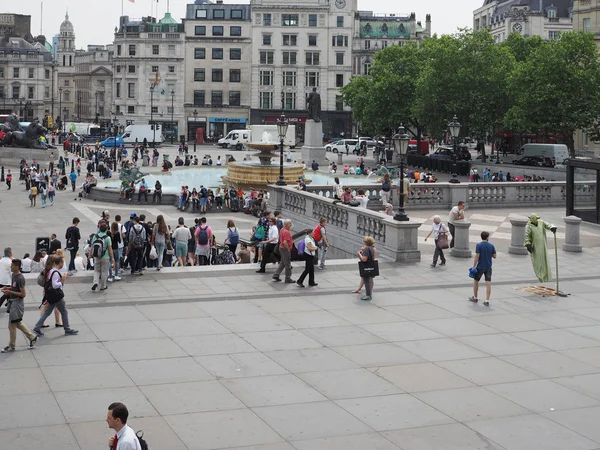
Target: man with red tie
[[125, 439]]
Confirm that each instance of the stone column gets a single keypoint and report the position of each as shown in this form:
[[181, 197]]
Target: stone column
[[340, 160], [461, 247], [572, 242], [517, 237]]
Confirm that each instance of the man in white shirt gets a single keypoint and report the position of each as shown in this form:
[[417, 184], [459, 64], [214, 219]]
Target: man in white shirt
[[125, 439], [5, 272], [456, 213], [269, 244]]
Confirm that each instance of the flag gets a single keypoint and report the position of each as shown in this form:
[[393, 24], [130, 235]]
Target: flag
[[156, 80]]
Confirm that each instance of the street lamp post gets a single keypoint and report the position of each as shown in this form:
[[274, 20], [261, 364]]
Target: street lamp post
[[96, 114], [79, 106], [114, 131], [60, 89], [454, 128], [152, 115], [401, 140], [195, 114], [172, 111], [282, 127]]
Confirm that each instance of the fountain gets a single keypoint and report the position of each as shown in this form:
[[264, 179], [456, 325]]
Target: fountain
[[259, 174]]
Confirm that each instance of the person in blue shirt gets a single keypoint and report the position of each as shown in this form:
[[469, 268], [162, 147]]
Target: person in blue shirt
[[484, 253], [73, 177]]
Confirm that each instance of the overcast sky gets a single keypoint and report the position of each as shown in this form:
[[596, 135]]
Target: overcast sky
[[94, 20]]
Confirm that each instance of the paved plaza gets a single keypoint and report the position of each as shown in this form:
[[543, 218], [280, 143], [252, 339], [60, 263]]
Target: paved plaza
[[222, 358]]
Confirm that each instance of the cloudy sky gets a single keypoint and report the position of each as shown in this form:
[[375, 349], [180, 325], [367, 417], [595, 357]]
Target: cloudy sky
[[94, 20]]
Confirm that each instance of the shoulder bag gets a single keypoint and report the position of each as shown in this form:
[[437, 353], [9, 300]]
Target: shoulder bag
[[370, 267], [51, 295]]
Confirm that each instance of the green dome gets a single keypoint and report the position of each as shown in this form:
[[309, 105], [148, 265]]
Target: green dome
[[168, 20]]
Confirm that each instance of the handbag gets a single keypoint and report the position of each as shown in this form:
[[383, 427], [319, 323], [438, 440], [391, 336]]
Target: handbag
[[368, 268], [442, 241], [51, 295], [153, 253]]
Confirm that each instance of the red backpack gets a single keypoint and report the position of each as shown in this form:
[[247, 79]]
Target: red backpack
[[317, 233]]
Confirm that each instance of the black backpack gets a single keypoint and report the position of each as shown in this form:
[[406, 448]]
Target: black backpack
[[385, 187], [142, 441], [98, 249], [138, 241], [203, 236]]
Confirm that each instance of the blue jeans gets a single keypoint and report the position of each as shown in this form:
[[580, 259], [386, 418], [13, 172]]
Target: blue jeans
[[160, 251], [117, 253]]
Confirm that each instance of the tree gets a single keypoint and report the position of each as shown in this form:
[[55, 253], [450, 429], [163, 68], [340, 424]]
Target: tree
[[556, 88]]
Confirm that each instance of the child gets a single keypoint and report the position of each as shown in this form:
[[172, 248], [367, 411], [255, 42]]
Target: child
[[8, 179]]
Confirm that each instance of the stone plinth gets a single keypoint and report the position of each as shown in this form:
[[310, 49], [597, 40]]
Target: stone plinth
[[313, 149], [517, 237], [572, 234], [461, 247]]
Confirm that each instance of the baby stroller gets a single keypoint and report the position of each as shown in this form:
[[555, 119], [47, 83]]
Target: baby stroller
[[62, 184]]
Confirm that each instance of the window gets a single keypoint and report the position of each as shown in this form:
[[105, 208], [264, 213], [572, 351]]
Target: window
[[200, 30], [266, 100], [66, 83], [554, 35], [199, 75], [289, 57], [339, 41], [155, 49], [235, 54], [266, 78], [67, 96], [312, 41], [289, 39], [236, 14], [131, 110], [266, 39], [289, 20], [170, 110], [217, 31], [119, 50], [155, 110], [216, 98], [47, 92], [218, 14], [16, 72], [312, 79], [266, 57], [235, 75], [198, 98], [217, 75], [46, 74], [339, 59], [131, 69], [16, 92], [312, 20], [234, 98], [235, 31], [118, 86], [30, 92], [199, 53], [1, 91], [131, 50], [30, 73], [289, 100], [340, 21], [552, 14], [217, 53], [339, 103], [367, 45], [118, 69], [312, 58], [171, 69], [172, 51], [366, 68], [339, 80], [1, 72], [267, 20], [131, 90], [586, 24], [384, 44], [200, 14], [154, 69], [289, 79]]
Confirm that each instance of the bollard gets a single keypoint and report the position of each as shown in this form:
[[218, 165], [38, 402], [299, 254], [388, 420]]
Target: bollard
[[340, 160], [2, 175], [572, 233], [461, 247], [517, 237]]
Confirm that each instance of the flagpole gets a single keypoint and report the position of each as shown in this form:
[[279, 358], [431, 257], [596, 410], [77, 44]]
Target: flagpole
[[122, 10]]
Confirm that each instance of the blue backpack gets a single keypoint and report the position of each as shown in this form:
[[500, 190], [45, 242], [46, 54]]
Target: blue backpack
[[301, 247], [234, 237]]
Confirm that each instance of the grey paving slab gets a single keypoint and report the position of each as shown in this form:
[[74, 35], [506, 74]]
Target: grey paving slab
[[421, 311], [584, 384], [312, 319], [550, 364], [542, 395], [229, 308], [267, 341], [163, 371], [111, 314], [421, 377], [375, 355], [311, 421], [222, 429], [582, 420], [346, 335], [444, 349], [401, 331], [214, 344], [531, 431], [310, 360], [56, 336], [393, 412], [46, 412], [590, 356], [349, 383], [441, 437], [139, 349], [21, 359], [510, 323], [330, 302], [197, 326], [592, 332], [49, 438], [371, 441], [395, 299], [483, 371], [370, 314], [133, 330], [252, 322], [71, 354], [557, 339], [277, 305], [240, 365], [86, 376], [184, 398], [272, 390], [22, 381], [172, 311], [501, 344], [279, 446], [563, 319]]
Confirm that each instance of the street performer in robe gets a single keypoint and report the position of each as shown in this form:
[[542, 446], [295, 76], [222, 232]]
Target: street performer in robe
[[535, 241]]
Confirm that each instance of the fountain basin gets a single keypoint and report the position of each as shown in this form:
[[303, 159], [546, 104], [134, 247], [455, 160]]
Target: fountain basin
[[246, 174]]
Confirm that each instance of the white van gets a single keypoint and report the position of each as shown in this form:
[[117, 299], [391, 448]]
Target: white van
[[558, 152], [139, 132], [236, 139]]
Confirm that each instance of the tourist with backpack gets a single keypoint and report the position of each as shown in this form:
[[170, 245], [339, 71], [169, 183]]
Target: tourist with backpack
[[386, 189], [320, 237], [270, 243], [102, 252], [203, 199], [203, 235], [309, 254], [233, 237], [285, 249], [137, 243], [125, 438]]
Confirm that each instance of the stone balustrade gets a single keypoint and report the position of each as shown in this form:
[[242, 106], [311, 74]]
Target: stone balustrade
[[477, 195], [347, 226]]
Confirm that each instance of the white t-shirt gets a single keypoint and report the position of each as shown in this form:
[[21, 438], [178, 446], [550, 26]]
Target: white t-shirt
[[5, 273], [308, 240], [273, 233], [453, 211], [436, 228], [26, 265]]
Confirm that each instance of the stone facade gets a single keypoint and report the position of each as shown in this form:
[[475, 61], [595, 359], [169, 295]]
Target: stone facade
[[65, 67], [93, 83]]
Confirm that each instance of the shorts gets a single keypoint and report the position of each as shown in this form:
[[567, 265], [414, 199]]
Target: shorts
[[203, 201], [485, 272], [181, 249]]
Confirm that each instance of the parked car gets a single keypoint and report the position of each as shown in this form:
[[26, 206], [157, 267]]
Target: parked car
[[462, 154], [340, 146], [110, 142], [370, 142], [537, 161]]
